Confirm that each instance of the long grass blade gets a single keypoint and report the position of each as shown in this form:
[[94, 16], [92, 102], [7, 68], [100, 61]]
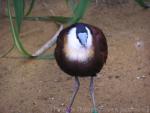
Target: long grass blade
[[30, 8], [79, 11], [0, 8], [15, 34], [59, 19], [19, 6], [143, 4], [46, 57]]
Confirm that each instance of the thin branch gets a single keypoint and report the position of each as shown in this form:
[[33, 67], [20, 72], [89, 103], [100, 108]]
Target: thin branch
[[53, 40], [96, 1], [51, 12], [9, 50], [48, 44]]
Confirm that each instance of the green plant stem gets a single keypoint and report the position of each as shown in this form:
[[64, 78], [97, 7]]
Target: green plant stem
[[15, 34], [19, 7], [79, 11], [59, 19], [30, 8], [143, 4]]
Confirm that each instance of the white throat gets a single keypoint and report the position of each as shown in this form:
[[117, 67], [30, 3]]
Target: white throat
[[74, 50], [74, 42]]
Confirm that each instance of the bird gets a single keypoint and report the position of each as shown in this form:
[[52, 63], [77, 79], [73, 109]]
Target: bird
[[81, 51]]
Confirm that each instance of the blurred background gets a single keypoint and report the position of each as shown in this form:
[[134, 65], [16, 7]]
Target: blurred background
[[39, 86]]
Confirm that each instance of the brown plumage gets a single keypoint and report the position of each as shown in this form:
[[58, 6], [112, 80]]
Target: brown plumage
[[97, 54]]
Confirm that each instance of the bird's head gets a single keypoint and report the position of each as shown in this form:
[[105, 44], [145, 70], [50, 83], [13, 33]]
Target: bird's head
[[82, 34]]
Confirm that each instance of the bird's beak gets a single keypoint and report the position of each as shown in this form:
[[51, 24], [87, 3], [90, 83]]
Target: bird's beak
[[83, 38]]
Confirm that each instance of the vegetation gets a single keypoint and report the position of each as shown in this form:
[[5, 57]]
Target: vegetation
[[78, 9]]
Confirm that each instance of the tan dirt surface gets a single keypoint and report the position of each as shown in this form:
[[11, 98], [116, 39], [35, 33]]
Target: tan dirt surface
[[39, 86]]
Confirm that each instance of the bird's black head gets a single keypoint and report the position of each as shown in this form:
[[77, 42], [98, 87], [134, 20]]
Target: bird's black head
[[82, 33], [81, 28]]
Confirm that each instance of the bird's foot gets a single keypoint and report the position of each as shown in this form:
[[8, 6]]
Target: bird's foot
[[94, 111], [68, 110]]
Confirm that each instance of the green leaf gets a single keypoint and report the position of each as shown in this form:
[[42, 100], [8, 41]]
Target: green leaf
[[79, 11], [19, 6], [143, 4], [59, 19], [0, 8], [46, 57], [30, 8], [15, 34]]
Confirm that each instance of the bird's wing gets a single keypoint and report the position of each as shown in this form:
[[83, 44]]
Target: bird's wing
[[100, 42]]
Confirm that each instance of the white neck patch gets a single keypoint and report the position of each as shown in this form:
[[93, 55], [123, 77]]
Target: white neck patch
[[74, 42], [74, 51]]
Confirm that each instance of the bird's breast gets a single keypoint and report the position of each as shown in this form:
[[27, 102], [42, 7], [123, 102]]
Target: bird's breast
[[80, 54], [74, 50]]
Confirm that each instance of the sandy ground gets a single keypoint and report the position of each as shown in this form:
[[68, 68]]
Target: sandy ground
[[39, 86]]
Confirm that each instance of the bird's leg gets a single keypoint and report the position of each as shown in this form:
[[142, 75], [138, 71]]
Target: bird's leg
[[76, 88], [92, 94]]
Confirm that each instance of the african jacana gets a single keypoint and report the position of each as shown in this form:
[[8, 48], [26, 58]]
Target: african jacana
[[81, 51]]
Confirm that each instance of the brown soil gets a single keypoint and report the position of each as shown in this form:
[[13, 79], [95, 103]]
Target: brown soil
[[39, 86]]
